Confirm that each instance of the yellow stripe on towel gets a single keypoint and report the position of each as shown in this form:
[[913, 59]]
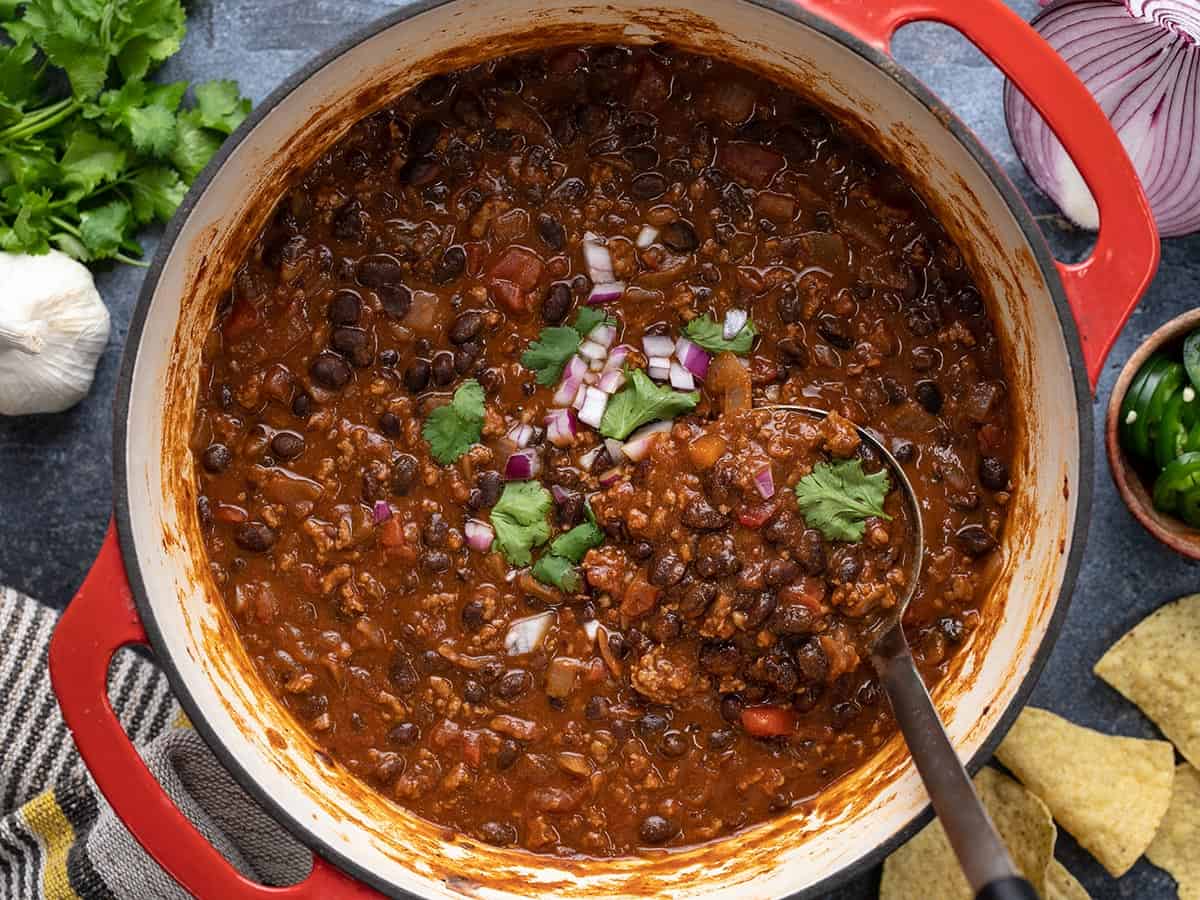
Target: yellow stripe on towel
[[43, 816]]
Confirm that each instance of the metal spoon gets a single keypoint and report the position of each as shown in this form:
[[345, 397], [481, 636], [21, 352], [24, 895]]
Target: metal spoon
[[981, 853]]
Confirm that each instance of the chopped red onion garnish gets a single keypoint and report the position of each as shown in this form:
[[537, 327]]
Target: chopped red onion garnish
[[580, 396], [559, 493], [639, 442], [521, 434], [647, 236], [590, 350], [589, 459], [613, 446], [381, 512], [572, 378], [616, 357], [479, 535], [681, 378], [658, 345], [604, 335], [605, 292], [735, 321], [764, 481], [594, 404], [591, 628], [522, 465], [611, 477], [611, 382], [597, 258], [692, 357], [527, 634], [659, 368], [560, 427]]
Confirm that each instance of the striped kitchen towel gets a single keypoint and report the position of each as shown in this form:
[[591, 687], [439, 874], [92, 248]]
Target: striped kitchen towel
[[58, 838]]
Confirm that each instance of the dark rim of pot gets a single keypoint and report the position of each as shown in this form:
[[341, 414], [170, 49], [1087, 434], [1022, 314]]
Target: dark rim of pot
[[887, 68]]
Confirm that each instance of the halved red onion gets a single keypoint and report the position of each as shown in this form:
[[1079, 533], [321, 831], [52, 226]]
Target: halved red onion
[[479, 535], [521, 434], [659, 368], [681, 378], [590, 351], [605, 292], [572, 378], [381, 512], [597, 258], [594, 404], [764, 482], [604, 335], [611, 382], [561, 427], [522, 465], [527, 634], [658, 345], [692, 357], [611, 477], [616, 357], [1141, 61], [639, 442], [735, 321], [647, 236]]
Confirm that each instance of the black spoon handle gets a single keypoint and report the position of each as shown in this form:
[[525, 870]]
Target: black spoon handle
[[981, 853]]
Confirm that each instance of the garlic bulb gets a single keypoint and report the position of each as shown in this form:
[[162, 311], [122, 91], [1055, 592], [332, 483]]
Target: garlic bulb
[[53, 328]]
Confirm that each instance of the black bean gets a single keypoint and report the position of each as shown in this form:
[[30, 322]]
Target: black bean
[[894, 391], [794, 620], [490, 671], [225, 396], [720, 657], [903, 449], [396, 300], [974, 540], [354, 344], [473, 616], [731, 708], [434, 90], [557, 303], [657, 830], [790, 308], [451, 265], [551, 232], [925, 359], [666, 626], [256, 537], [404, 473], [648, 185], [436, 531], [443, 369], [287, 445], [402, 673], [667, 569], [847, 566], [760, 609], [416, 378], [675, 744], [473, 692], [419, 171], [435, 561], [794, 351], [349, 222], [836, 330], [389, 424], [216, 458], [811, 660], [204, 509], [345, 308], [513, 684], [424, 137], [510, 752], [652, 723], [330, 371], [378, 270], [596, 708], [697, 598], [642, 550], [466, 327], [570, 509], [500, 834], [301, 406], [470, 110], [679, 236], [700, 515], [404, 734], [929, 395], [780, 572], [993, 472], [490, 483]]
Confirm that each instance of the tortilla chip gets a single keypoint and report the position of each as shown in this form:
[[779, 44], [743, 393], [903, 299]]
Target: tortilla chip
[[1157, 666], [1109, 792], [926, 867], [1176, 847], [1062, 885]]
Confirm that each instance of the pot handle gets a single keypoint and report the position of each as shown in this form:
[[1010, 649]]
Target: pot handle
[[1103, 289], [100, 620]]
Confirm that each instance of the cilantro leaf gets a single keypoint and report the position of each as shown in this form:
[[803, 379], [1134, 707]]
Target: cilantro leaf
[[89, 161], [643, 401], [453, 428], [194, 145], [558, 571], [519, 520], [550, 353], [578, 541], [589, 317], [156, 193], [837, 498], [103, 229], [219, 106], [709, 334], [559, 566]]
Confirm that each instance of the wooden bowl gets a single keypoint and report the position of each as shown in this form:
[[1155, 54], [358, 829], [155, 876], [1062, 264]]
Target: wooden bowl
[[1133, 489]]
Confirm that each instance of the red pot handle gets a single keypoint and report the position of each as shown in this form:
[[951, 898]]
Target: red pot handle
[[1103, 289], [101, 619]]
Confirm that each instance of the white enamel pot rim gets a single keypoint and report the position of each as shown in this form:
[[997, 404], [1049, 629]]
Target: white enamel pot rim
[[1066, 371]]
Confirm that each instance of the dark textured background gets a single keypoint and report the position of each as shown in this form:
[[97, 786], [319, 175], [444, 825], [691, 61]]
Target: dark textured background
[[55, 471]]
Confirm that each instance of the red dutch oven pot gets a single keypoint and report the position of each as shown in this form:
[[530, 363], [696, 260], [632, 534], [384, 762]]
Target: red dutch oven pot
[[150, 584]]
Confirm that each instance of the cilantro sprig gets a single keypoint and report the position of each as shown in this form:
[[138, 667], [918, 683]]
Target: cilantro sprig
[[838, 498], [559, 566], [519, 520], [83, 173], [452, 429], [709, 334], [556, 345], [642, 401]]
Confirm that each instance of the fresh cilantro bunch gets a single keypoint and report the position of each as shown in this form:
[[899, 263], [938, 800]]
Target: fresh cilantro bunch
[[838, 498], [84, 172]]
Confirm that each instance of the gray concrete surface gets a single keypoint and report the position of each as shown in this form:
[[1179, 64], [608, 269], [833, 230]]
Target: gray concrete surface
[[55, 471]]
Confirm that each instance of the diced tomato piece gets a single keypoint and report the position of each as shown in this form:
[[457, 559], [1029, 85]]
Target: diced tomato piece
[[519, 265], [391, 534], [758, 515], [768, 721], [640, 597], [476, 253], [751, 164], [242, 320], [509, 296], [472, 745]]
